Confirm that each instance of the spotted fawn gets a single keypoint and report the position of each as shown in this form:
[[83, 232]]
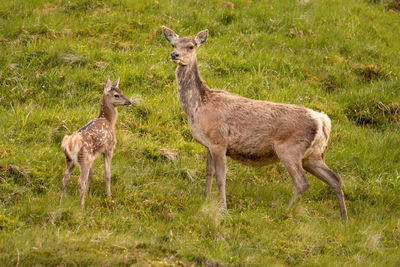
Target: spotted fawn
[[97, 137]]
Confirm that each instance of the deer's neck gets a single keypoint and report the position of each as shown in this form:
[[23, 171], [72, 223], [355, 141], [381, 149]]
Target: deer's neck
[[108, 111], [191, 88]]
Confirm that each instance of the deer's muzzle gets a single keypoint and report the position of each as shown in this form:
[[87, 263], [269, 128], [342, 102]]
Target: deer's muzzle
[[174, 55]]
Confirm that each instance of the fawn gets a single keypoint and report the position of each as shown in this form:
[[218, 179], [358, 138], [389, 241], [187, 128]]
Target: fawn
[[95, 138], [251, 131]]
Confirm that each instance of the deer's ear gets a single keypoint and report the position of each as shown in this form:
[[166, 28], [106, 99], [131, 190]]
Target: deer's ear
[[201, 37], [116, 83], [169, 34], [107, 87]]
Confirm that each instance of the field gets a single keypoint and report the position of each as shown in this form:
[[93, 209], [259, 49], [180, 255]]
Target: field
[[340, 57]]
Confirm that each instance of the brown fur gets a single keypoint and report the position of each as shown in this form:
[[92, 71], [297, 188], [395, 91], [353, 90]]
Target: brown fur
[[250, 131], [96, 137]]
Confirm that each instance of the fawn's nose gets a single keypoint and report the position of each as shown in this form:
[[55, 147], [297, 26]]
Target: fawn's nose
[[128, 103], [174, 55]]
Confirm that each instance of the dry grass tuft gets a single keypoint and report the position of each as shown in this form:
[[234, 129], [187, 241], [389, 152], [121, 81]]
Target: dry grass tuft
[[212, 211], [169, 153]]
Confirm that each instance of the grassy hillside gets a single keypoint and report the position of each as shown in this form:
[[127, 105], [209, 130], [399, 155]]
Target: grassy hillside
[[339, 56]]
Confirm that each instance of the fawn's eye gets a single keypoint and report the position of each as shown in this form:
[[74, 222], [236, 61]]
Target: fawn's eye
[[191, 47], [116, 96]]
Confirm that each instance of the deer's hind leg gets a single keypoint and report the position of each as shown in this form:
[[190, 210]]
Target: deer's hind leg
[[70, 165], [83, 182], [318, 168], [291, 160]]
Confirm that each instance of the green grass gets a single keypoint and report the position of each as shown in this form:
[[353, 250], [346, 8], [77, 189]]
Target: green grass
[[340, 57]]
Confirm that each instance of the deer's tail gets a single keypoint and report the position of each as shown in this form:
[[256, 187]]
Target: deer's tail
[[320, 142], [72, 145], [326, 126]]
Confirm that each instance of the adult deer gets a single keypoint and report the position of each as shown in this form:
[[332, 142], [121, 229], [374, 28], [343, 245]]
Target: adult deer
[[250, 131], [97, 137]]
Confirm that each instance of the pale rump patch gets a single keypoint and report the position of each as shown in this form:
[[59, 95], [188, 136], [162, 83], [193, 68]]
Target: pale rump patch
[[71, 146], [320, 142]]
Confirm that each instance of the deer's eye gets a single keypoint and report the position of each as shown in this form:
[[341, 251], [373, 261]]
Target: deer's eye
[[191, 47], [173, 46], [116, 96]]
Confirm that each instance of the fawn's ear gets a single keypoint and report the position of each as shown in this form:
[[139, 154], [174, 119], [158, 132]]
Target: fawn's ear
[[201, 37], [107, 87], [116, 83], [169, 34]]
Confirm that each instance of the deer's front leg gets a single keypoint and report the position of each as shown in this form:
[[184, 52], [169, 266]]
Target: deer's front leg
[[219, 161], [107, 171], [90, 176], [209, 174]]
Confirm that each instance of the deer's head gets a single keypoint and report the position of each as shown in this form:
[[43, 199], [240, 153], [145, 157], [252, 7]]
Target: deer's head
[[184, 52], [113, 94]]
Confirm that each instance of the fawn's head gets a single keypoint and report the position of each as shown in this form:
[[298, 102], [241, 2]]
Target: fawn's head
[[113, 94], [184, 48]]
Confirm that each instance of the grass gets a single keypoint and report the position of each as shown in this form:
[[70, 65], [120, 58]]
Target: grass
[[340, 57]]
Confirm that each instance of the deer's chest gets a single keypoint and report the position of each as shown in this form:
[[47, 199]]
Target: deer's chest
[[197, 133], [199, 127]]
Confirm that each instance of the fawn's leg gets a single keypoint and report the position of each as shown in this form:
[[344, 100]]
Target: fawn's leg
[[209, 173], [83, 180], [70, 165], [89, 177], [107, 171]]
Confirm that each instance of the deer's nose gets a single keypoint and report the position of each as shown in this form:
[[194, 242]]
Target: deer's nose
[[174, 55]]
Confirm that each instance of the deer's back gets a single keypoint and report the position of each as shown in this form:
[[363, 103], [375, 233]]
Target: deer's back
[[252, 127]]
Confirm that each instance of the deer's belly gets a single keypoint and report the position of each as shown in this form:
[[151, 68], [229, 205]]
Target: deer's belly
[[253, 159]]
